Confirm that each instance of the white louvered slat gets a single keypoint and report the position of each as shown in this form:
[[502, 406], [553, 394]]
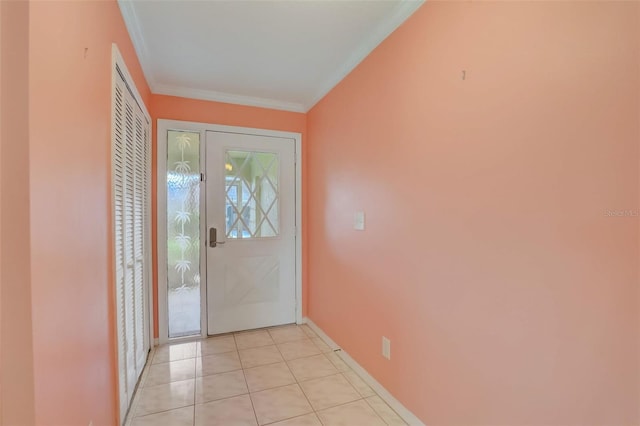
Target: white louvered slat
[[147, 214], [118, 184]]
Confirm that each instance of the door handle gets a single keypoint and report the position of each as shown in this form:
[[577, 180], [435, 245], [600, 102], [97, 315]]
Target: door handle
[[213, 238]]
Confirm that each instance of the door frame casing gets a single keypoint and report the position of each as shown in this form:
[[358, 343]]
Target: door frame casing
[[202, 128]]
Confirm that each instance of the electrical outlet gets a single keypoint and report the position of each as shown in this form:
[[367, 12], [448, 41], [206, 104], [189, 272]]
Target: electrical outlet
[[358, 221], [386, 348]]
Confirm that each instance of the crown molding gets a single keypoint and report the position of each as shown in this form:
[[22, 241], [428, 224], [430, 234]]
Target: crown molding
[[401, 13], [128, 11], [229, 98], [127, 8], [404, 9]]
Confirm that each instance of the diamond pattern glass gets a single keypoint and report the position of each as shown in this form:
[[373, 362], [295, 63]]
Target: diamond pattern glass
[[251, 186]]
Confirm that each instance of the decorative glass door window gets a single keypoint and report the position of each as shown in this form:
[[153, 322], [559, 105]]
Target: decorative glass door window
[[251, 186], [183, 233]]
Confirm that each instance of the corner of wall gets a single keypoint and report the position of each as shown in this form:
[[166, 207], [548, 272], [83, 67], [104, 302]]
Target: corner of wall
[[16, 367]]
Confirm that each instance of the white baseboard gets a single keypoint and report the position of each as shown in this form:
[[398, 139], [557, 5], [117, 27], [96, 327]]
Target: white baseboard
[[386, 396]]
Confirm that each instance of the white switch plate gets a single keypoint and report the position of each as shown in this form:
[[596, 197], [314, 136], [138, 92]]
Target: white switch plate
[[386, 348], [358, 221]]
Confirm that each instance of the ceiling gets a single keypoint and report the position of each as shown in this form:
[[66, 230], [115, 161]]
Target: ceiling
[[270, 53]]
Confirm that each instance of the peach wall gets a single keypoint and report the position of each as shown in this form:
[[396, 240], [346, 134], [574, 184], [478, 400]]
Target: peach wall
[[1, 139], [16, 348], [175, 108], [70, 153], [508, 295]]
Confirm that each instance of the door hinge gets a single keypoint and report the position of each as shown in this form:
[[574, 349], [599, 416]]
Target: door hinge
[[203, 177]]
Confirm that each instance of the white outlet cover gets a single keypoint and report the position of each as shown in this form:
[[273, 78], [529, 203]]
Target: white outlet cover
[[358, 221], [386, 348]]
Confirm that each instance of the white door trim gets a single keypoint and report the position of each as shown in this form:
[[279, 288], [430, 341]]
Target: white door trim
[[202, 128]]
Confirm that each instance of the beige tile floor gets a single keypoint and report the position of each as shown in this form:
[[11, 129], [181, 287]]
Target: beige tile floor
[[277, 376]]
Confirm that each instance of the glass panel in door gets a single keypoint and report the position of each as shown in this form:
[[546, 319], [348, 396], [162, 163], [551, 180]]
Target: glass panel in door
[[183, 233], [251, 201]]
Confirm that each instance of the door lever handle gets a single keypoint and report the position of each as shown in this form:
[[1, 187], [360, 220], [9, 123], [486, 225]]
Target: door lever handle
[[213, 238]]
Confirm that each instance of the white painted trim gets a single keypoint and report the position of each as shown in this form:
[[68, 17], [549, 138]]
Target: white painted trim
[[299, 196], [320, 332], [149, 245], [161, 231], [204, 323], [386, 396], [202, 128], [117, 59], [128, 11], [230, 98], [401, 13]]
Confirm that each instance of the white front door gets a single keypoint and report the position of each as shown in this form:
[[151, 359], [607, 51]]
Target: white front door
[[250, 204]]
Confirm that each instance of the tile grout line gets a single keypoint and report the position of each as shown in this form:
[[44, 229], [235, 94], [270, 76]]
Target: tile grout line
[[324, 356], [161, 411], [194, 379], [377, 414], [297, 381], [286, 363], [315, 411], [170, 345], [289, 384], [365, 398], [223, 398], [362, 397], [253, 407], [340, 405], [135, 402]]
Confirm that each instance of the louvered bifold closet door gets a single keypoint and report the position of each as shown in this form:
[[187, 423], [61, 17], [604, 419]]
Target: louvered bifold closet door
[[118, 222], [131, 167], [147, 228], [139, 203], [129, 244]]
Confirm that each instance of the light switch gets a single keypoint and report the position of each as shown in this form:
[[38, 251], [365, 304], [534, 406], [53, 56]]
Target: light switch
[[358, 221]]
